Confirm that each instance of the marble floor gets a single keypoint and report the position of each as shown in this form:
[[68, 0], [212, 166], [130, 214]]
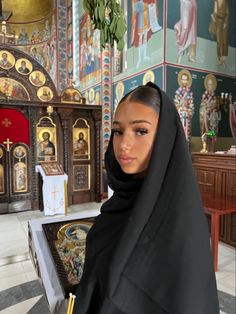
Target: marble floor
[[21, 292]]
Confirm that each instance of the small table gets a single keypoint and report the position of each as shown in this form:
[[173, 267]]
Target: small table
[[216, 205]]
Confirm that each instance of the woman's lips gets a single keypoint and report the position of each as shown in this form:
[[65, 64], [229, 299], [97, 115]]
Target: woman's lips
[[126, 160]]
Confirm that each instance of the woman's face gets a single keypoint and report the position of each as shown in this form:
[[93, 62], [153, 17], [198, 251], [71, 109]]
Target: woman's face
[[134, 130]]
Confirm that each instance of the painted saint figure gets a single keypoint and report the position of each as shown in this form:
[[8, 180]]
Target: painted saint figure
[[219, 27], [81, 147], [4, 62], [36, 79], [45, 95], [46, 147], [209, 112], [186, 30], [20, 177], [141, 31], [184, 102], [23, 69], [232, 118], [1, 180]]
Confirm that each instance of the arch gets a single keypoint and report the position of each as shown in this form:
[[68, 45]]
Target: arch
[[21, 70]]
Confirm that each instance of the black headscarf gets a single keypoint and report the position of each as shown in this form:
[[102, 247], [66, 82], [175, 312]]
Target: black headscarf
[[148, 251]]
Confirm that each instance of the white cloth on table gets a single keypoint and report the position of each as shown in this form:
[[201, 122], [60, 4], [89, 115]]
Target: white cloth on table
[[54, 196]]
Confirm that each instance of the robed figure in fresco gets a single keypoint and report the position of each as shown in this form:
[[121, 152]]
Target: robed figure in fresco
[[46, 147], [209, 112], [81, 146], [186, 30], [184, 102], [232, 118], [144, 24], [219, 27]]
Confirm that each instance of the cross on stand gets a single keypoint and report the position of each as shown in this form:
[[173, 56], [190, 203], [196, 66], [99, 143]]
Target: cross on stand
[[8, 143], [54, 192]]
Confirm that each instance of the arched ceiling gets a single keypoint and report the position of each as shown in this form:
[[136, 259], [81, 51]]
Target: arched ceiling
[[26, 11]]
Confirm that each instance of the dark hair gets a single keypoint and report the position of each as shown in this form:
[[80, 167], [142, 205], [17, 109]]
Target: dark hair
[[147, 95]]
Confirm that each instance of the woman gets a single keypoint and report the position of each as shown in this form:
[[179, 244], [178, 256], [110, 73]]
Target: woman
[[148, 251]]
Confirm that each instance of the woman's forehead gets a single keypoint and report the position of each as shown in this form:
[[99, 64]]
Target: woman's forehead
[[128, 111]]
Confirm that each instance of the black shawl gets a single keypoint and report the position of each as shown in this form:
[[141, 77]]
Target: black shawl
[[148, 251]]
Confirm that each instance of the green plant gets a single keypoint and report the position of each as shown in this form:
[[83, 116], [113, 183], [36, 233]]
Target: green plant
[[211, 133], [108, 17]]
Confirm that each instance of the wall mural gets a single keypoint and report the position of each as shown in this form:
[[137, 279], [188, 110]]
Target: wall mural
[[37, 78], [184, 102], [210, 92], [145, 38], [232, 119], [209, 111], [90, 54], [46, 55], [70, 71], [144, 24], [120, 57], [219, 28], [62, 42], [28, 72], [7, 60], [186, 30], [37, 40], [93, 95], [204, 34], [32, 33], [11, 89], [121, 88]]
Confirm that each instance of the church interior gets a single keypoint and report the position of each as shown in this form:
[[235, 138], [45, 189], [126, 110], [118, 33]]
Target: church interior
[[61, 79]]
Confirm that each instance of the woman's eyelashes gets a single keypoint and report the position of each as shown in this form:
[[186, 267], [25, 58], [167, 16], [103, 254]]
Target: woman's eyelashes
[[141, 131], [117, 132], [137, 131]]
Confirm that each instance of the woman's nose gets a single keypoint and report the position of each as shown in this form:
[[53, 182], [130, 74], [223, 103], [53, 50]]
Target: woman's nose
[[126, 142]]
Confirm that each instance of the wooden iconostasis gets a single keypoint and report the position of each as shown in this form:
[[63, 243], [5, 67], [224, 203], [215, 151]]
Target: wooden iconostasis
[[37, 126]]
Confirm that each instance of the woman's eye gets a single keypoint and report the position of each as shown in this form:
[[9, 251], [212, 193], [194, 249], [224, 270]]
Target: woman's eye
[[117, 132], [141, 131]]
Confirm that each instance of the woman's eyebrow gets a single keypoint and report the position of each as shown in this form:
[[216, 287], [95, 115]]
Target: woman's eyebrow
[[116, 122], [139, 121], [132, 122]]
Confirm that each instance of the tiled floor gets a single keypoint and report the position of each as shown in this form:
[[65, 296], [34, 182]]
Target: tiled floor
[[20, 291]]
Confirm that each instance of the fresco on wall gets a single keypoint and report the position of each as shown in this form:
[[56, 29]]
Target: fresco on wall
[[207, 44], [11, 89], [70, 40], [144, 25], [39, 41], [92, 95], [62, 44], [209, 111], [186, 30], [144, 36], [184, 102], [120, 57], [121, 88], [219, 28], [32, 33], [225, 86], [89, 64], [45, 54]]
